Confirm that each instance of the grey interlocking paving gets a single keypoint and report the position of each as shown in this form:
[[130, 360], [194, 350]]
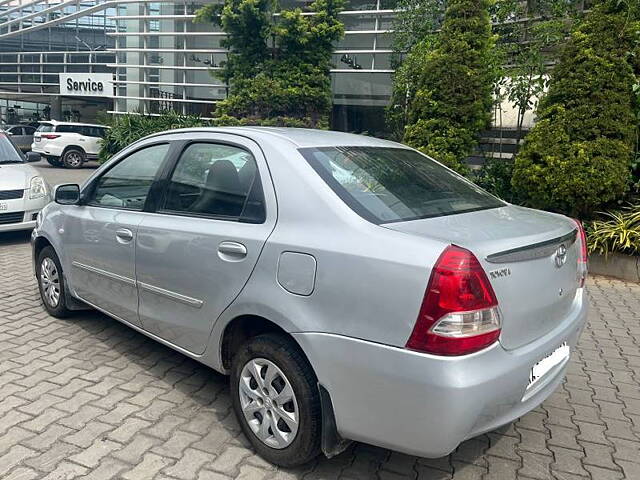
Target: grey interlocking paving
[[90, 398]]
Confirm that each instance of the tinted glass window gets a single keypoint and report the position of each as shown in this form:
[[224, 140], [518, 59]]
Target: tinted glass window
[[393, 184], [29, 130], [45, 127], [69, 129], [127, 184], [216, 180], [8, 151]]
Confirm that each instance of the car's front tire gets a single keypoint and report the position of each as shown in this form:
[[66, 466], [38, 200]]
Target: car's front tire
[[73, 158], [275, 398], [51, 283]]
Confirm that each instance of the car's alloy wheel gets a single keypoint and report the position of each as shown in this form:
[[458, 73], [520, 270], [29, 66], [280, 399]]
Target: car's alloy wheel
[[50, 281], [274, 392], [73, 159], [269, 403]]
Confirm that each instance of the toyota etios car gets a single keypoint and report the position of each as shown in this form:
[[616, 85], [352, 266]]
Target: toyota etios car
[[353, 288]]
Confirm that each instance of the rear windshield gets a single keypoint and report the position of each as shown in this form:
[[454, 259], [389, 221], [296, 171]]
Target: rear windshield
[[45, 127], [386, 185]]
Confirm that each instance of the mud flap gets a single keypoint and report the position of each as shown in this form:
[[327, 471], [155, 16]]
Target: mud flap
[[332, 443]]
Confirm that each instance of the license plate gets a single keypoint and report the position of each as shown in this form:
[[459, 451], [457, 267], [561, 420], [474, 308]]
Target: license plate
[[4, 207], [37, 139], [547, 363]]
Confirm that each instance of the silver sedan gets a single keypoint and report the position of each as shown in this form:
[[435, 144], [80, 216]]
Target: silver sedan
[[352, 288]]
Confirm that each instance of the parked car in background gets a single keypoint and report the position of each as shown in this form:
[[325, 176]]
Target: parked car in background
[[23, 192], [22, 135], [68, 144], [352, 288]]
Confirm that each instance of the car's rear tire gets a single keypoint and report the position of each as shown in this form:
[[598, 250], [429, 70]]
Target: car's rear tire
[[286, 390], [51, 283], [73, 158], [54, 161]]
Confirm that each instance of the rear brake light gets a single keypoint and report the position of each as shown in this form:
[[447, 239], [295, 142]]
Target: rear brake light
[[459, 313], [583, 258], [49, 136]]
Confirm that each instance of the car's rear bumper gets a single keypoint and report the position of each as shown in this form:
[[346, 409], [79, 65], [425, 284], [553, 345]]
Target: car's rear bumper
[[47, 149], [426, 405]]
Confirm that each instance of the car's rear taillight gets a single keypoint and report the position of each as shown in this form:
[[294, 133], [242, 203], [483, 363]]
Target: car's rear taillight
[[49, 136], [583, 258], [459, 312]]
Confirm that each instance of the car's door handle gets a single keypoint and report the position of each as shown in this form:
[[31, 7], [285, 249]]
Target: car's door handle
[[124, 235], [232, 251]]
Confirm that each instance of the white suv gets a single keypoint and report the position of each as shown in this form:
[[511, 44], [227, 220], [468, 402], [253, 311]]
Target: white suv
[[68, 144]]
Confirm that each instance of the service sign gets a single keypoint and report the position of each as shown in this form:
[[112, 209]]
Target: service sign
[[86, 84]]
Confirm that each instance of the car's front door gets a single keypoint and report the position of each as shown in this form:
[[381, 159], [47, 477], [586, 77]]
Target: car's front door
[[100, 236], [195, 254]]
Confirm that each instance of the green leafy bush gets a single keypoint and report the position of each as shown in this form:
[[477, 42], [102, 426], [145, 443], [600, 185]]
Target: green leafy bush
[[278, 72], [616, 232], [126, 129], [495, 177], [577, 156], [452, 98]]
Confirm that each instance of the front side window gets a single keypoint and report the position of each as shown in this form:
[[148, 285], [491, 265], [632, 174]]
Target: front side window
[[216, 180], [127, 184], [385, 185]]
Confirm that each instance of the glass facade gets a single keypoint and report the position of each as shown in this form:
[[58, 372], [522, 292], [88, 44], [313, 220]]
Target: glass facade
[[162, 60]]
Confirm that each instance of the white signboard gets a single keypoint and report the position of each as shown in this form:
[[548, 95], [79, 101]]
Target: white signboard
[[86, 84]]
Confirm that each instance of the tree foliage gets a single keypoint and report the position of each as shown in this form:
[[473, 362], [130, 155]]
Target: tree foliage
[[277, 71], [444, 88], [577, 156]]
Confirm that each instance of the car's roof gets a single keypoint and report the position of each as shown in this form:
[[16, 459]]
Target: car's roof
[[57, 122], [300, 137]]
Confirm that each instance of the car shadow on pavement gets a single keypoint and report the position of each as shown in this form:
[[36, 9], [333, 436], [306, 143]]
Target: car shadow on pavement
[[15, 238]]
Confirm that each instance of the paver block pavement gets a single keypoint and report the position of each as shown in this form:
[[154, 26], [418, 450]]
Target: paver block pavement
[[87, 397]]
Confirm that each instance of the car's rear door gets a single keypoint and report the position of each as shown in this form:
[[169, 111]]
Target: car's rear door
[[100, 236], [91, 139], [196, 253]]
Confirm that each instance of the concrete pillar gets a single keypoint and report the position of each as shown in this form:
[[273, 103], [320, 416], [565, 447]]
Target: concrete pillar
[[56, 108]]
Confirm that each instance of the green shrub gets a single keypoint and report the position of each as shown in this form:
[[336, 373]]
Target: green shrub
[[126, 129], [577, 156], [278, 72], [616, 232], [495, 177], [452, 99]]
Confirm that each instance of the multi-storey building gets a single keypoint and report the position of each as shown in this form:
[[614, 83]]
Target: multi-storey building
[[160, 59]]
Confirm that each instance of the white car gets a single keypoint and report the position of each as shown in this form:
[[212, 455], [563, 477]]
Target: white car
[[23, 192], [68, 144]]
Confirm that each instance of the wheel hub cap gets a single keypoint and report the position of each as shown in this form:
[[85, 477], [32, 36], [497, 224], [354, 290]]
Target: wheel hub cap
[[268, 403], [50, 281]]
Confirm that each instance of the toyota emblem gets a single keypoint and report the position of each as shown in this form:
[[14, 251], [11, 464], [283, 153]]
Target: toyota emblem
[[561, 256]]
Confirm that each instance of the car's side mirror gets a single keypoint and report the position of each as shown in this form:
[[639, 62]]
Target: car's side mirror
[[33, 157], [68, 194]]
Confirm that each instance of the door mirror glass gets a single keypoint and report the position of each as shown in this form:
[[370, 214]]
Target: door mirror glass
[[67, 194], [33, 157]]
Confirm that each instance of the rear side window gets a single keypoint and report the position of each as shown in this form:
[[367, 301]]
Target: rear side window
[[29, 130], [45, 127], [70, 129], [385, 185], [216, 180]]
